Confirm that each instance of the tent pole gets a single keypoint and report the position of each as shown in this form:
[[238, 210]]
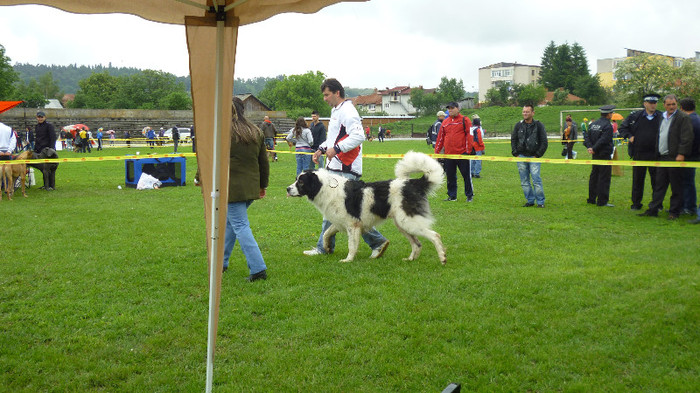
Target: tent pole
[[214, 272]]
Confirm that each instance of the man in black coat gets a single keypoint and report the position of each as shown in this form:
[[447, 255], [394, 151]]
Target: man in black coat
[[599, 141], [675, 143], [318, 131], [44, 146], [642, 130]]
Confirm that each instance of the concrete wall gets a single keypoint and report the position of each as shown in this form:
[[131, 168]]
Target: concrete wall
[[120, 120]]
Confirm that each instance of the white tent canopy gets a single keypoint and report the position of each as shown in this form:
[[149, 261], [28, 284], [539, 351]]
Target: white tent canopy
[[212, 29]]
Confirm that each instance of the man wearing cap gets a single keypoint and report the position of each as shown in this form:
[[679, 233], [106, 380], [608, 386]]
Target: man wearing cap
[[599, 142], [675, 143], [455, 138], [434, 129], [529, 139], [641, 128], [44, 146]]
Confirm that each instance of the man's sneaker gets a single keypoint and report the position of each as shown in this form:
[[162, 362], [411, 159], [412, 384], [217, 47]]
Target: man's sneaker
[[312, 252], [528, 204], [261, 275], [450, 199], [541, 206], [469, 199], [379, 251]]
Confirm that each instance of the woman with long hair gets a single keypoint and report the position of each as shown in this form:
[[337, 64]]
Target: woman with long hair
[[249, 172], [300, 136]]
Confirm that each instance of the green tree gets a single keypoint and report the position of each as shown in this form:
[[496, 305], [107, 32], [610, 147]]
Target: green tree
[[643, 74], [561, 97], [31, 93], [8, 77], [450, 90], [531, 94], [548, 73], [589, 88], [97, 91], [425, 103], [686, 80], [296, 94], [49, 86], [498, 95]]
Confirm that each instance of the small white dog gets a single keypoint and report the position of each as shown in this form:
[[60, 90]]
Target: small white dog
[[356, 206]]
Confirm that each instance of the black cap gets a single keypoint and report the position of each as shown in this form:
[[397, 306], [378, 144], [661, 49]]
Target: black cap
[[652, 97], [40, 114], [605, 109], [452, 104]]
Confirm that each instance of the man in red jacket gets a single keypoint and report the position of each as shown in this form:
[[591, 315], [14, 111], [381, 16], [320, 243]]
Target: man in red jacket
[[454, 137]]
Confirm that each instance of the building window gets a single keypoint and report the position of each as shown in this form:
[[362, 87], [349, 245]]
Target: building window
[[678, 63], [533, 72], [386, 105], [371, 107]]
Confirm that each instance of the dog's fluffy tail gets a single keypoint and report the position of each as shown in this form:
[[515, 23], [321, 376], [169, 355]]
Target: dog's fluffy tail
[[414, 162]]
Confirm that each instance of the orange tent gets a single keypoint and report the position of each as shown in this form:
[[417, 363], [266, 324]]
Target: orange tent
[[211, 30], [7, 105]]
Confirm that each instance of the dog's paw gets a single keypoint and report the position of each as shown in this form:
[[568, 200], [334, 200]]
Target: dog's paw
[[346, 260]]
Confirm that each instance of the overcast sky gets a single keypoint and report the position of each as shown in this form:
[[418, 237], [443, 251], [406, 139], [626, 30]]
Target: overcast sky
[[379, 43]]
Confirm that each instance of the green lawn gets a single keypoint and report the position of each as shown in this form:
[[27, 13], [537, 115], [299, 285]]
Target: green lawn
[[106, 290]]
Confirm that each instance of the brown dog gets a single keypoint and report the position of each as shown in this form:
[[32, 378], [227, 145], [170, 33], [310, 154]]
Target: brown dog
[[10, 173]]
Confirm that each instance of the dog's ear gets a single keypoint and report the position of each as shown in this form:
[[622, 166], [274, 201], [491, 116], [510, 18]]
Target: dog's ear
[[309, 184]]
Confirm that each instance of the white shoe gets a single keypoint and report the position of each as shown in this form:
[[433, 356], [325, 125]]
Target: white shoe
[[312, 252], [379, 251]]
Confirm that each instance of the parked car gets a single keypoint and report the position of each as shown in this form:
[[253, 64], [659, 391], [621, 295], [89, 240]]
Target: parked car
[[185, 133]]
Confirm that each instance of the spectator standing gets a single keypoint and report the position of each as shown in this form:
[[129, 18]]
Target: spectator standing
[[569, 138], [270, 133], [599, 142], [434, 129], [380, 133], [529, 139], [689, 191], [641, 129], [584, 128], [477, 147], [29, 137], [455, 138], [151, 136], [318, 132], [99, 138], [44, 146], [343, 150], [302, 139], [127, 136], [675, 143], [249, 173], [176, 137]]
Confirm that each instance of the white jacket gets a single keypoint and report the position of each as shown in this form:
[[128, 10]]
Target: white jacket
[[8, 140], [345, 134]]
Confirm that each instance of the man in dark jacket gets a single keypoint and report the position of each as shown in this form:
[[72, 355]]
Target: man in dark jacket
[[675, 143], [641, 128], [599, 141], [690, 199], [529, 139], [434, 129], [270, 132], [45, 138], [318, 131], [176, 138]]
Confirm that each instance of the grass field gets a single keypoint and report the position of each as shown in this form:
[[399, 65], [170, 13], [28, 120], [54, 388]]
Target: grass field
[[105, 290]]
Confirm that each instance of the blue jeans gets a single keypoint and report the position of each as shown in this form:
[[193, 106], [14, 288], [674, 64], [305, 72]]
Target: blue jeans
[[476, 164], [373, 238], [533, 192], [304, 162], [238, 227]]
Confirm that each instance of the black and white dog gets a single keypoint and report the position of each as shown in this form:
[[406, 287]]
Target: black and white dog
[[356, 206]]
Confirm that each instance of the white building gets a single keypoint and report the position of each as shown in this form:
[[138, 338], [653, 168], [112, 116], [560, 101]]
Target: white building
[[506, 73]]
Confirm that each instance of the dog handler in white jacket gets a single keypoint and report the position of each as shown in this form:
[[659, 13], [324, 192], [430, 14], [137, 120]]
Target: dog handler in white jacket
[[8, 142], [343, 150]]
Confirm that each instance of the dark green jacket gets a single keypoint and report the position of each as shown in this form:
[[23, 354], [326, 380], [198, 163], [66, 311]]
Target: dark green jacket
[[249, 171]]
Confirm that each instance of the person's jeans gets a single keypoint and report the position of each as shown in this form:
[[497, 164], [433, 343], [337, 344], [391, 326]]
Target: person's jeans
[[175, 142], [476, 164], [238, 227], [304, 162], [373, 238], [533, 192], [270, 144]]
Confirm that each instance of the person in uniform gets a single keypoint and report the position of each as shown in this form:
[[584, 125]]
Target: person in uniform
[[599, 141], [641, 128]]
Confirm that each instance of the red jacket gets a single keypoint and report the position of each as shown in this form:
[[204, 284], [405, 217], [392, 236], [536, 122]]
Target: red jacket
[[454, 135], [477, 140]]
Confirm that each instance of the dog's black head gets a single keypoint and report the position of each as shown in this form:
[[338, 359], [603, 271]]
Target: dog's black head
[[308, 183]]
